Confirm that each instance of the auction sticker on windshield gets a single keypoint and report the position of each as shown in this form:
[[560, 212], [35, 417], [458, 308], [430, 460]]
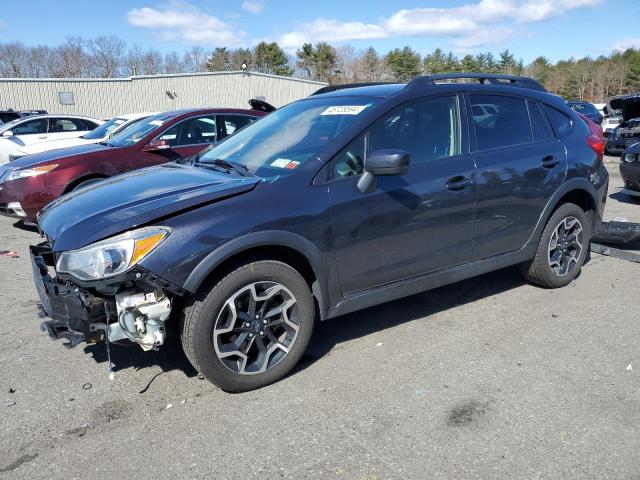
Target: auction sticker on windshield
[[344, 110]]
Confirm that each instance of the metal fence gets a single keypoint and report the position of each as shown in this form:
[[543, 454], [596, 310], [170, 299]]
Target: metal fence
[[103, 98]]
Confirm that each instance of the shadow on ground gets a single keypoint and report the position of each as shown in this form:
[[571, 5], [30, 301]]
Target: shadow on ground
[[335, 331], [623, 198]]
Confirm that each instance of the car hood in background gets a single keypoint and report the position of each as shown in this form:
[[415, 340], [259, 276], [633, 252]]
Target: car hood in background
[[629, 104], [52, 155], [54, 144], [133, 199]]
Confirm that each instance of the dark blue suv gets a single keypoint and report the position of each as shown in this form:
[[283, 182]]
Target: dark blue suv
[[354, 196]]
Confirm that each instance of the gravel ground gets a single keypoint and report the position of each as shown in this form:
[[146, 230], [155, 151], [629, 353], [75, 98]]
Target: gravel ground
[[487, 378]]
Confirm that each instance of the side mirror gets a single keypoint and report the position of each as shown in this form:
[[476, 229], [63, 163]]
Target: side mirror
[[382, 162], [7, 134], [155, 145]]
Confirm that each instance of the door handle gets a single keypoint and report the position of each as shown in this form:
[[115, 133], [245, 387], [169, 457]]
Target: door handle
[[42, 137], [549, 162], [458, 183]]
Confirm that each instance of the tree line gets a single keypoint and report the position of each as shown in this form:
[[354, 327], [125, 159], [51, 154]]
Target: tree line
[[591, 79]]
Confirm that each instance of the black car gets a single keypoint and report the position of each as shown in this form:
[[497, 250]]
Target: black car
[[587, 109], [334, 203], [7, 116], [627, 132]]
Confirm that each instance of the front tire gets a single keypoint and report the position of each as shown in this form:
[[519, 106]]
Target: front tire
[[251, 328], [562, 248]]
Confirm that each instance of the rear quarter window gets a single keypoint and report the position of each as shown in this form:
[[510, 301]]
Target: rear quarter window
[[561, 122]]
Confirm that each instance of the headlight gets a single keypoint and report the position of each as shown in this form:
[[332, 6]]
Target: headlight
[[111, 256], [28, 172], [630, 157]]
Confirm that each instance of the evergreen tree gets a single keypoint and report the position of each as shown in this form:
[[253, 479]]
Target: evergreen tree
[[404, 63], [270, 58]]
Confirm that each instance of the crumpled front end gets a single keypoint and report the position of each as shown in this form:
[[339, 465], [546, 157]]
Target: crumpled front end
[[132, 307]]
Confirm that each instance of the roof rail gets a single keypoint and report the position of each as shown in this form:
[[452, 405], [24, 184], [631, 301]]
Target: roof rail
[[492, 78], [333, 88]]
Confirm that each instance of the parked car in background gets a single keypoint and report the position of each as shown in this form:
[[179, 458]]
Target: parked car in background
[[628, 131], [630, 170], [105, 131], [594, 128], [7, 116], [334, 203], [29, 183], [39, 128], [587, 109], [611, 122], [27, 113]]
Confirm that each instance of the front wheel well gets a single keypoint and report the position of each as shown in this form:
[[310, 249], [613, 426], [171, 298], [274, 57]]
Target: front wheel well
[[287, 255], [77, 181]]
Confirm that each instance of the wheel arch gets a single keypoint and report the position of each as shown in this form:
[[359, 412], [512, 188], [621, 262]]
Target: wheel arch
[[290, 248], [578, 191]]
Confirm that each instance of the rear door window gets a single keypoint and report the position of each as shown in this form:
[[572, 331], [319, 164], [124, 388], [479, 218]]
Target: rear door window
[[61, 125], [236, 122], [192, 131], [561, 122], [539, 123], [508, 126]]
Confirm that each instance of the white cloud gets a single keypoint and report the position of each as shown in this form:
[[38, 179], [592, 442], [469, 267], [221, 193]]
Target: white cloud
[[472, 25], [182, 21], [253, 6], [625, 43]]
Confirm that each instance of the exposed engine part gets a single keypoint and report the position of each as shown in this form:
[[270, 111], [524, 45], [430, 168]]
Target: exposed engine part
[[141, 318]]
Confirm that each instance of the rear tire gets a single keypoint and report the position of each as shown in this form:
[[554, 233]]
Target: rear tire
[[250, 328], [562, 248]]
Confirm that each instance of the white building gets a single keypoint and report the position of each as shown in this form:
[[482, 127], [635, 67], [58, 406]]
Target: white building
[[104, 98]]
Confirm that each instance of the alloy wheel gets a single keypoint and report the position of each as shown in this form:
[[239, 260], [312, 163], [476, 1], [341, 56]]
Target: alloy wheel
[[256, 327], [565, 246]]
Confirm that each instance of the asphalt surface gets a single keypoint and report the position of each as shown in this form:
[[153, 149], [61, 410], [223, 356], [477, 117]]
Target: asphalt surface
[[487, 378]]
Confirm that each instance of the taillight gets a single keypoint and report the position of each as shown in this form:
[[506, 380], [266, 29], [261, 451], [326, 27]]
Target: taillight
[[596, 143]]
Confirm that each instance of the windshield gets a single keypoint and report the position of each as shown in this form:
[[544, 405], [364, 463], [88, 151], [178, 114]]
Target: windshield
[[286, 138], [105, 129], [132, 134]]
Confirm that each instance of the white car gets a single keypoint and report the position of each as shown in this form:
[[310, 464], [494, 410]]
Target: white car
[[105, 131], [609, 123], [40, 128]]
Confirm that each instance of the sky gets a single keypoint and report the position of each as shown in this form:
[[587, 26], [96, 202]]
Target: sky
[[555, 29]]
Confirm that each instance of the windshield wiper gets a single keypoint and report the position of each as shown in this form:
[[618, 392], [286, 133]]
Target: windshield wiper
[[235, 167]]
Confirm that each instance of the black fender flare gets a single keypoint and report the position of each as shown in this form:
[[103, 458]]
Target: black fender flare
[[276, 238], [571, 185]]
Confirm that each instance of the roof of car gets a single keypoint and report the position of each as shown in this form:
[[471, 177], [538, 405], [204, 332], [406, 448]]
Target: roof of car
[[186, 111]]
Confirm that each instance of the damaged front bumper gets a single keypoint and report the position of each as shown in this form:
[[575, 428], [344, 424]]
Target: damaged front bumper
[[132, 307]]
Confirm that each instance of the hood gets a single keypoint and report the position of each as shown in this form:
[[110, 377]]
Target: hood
[[628, 104], [53, 145], [51, 155], [133, 199]]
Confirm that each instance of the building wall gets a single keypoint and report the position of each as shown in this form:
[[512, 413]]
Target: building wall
[[103, 98]]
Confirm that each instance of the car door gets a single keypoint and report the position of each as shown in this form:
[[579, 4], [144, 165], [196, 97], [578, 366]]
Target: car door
[[183, 139], [412, 224], [520, 165], [29, 132], [65, 127]]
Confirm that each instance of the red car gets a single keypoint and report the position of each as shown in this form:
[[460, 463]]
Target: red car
[[29, 183]]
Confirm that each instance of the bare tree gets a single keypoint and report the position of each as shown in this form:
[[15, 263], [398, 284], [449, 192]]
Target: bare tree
[[13, 59], [195, 60], [107, 54]]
